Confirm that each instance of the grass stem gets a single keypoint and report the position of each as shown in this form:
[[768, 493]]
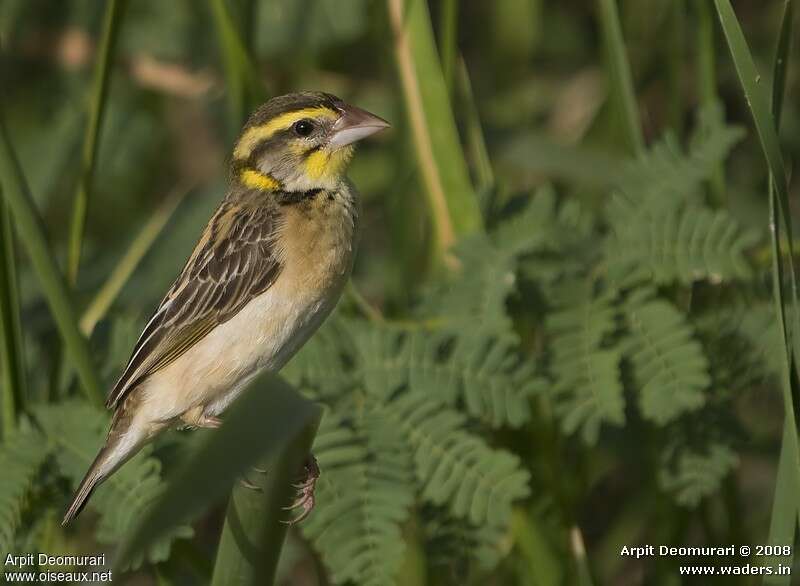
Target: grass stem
[[31, 233], [97, 104], [620, 73]]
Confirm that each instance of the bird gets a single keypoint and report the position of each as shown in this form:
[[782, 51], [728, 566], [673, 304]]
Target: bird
[[268, 269]]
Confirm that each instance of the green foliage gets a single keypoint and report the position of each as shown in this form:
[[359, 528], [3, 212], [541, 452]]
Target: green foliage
[[21, 459], [75, 431], [691, 475], [665, 173], [455, 467], [588, 390], [363, 499], [400, 434], [580, 344], [485, 378], [685, 243], [659, 234], [669, 365]]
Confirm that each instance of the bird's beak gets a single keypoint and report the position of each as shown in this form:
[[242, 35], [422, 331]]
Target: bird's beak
[[355, 124]]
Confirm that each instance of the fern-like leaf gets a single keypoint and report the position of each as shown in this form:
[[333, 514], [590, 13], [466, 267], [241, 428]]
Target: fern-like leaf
[[587, 391], [21, 458], [456, 468], [76, 431], [669, 365], [318, 369], [665, 171], [485, 376], [692, 474], [685, 242], [473, 300], [531, 228], [456, 542], [363, 497]]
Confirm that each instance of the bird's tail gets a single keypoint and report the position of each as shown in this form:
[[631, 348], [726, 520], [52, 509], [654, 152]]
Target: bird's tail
[[121, 444]]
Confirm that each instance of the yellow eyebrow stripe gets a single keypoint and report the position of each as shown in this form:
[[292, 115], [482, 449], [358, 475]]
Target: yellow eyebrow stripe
[[255, 180], [256, 134]]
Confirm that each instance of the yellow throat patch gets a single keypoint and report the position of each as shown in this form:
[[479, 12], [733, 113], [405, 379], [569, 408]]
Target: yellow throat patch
[[256, 180], [324, 165]]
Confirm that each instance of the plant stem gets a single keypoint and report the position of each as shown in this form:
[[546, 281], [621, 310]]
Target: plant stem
[[125, 267], [766, 116], [242, 80], [448, 40], [578, 549], [620, 73], [97, 102], [12, 350], [675, 61], [30, 230], [707, 83], [371, 313], [484, 175], [255, 522], [453, 206]]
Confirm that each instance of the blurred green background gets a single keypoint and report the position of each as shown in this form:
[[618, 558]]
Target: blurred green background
[[512, 98]]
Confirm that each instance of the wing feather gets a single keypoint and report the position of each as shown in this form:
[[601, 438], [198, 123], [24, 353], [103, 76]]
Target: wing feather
[[235, 260]]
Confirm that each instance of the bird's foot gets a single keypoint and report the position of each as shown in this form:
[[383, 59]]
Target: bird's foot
[[210, 422], [249, 485], [197, 418], [246, 483], [305, 499]]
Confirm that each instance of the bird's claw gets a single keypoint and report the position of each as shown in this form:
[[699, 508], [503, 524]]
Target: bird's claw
[[247, 484], [305, 500]]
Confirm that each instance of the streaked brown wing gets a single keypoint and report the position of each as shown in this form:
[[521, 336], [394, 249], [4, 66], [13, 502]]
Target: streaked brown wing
[[234, 261]]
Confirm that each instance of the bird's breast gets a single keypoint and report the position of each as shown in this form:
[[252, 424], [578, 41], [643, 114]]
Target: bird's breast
[[318, 241]]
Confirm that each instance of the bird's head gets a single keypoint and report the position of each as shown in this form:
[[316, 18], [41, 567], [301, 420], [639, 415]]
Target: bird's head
[[299, 142]]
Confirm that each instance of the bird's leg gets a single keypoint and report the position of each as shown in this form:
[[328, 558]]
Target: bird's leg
[[209, 421], [197, 417], [305, 498], [245, 483]]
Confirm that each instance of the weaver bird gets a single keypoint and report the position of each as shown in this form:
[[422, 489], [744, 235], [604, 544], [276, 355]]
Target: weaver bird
[[269, 267]]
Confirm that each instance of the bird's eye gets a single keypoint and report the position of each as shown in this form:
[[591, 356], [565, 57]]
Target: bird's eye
[[303, 127]]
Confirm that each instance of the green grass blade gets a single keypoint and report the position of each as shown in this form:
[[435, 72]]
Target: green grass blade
[[765, 115], [781, 64], [479, 154], [539, 156], [620, 73], [244, 87], [264, 421], [448, 40], [579, 554], [785, 503], [31, 233], [538, 560], [112, 20], [12, 351], [674, 65], [125, 267], [759, 104], [451, 199], [707, 82], [785, 506], [253, 534]]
